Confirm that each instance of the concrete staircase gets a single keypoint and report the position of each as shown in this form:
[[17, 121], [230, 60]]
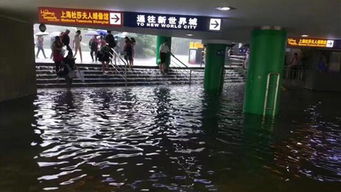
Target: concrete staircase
[[118, 76]]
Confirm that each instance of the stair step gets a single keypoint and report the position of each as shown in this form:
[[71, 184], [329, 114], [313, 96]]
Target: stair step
[[93, 76]]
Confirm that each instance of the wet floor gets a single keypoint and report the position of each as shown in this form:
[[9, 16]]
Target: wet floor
[[172, 138]]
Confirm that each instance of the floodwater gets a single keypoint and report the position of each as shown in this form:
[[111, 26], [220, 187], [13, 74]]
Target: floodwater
[[168, 138]]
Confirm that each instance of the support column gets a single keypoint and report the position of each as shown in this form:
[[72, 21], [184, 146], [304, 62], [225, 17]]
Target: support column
[[214, 67], [17, 71], [267, 58], [159, 41]]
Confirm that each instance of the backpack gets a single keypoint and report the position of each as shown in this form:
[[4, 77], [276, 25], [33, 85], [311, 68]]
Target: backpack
[[110, 39], [93, 44]]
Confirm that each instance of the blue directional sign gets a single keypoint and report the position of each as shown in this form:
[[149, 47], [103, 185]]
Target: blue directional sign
[[337, 44], [174, 22]]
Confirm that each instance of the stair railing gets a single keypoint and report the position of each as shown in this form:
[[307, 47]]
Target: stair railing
[[267, 90], [116, 55], [182, 65], [235, 61]]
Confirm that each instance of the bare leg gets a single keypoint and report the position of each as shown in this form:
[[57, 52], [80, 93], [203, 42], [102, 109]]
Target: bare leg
[[115, 59], [106, 66], [162, 69], [92, 55], [80, 53], [127, 61], [76, 50], [38, 52], [132, 62], [103, 66], [42, 50]]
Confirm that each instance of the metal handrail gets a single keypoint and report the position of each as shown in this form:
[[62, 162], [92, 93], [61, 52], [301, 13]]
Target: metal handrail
[[114, 65], [278, 75], [182, 71], [294, 73], [178, 60], [190, 70], [119, 56]]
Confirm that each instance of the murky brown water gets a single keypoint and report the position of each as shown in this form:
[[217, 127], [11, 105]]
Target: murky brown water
[[168, 139]]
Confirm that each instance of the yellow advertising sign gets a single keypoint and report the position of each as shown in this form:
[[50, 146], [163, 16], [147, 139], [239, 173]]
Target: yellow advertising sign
[[79, 16], [308, 42], [196, 45]]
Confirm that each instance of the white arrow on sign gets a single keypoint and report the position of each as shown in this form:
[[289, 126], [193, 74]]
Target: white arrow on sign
[[215, 24], [330, 44], [115, 19]]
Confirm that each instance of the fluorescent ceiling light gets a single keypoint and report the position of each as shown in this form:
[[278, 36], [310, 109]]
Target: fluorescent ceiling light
[[304, 35], [189, 34], [223, 8]]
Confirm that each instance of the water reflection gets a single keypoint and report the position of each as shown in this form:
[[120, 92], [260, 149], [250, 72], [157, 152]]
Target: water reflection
[[211, 111], [168, 139]]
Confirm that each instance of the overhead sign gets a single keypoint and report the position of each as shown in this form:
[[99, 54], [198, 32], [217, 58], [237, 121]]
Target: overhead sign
[[86, 17], [309, 42], [177, 22], [115, 18], [79, 16], [215, 24]]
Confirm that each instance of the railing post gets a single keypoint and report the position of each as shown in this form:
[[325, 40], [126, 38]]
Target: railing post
[[265, 108], [125, 75]]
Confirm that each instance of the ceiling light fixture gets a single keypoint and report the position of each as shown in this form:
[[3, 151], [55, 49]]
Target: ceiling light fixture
[[189, 34], [304, 35], [223, 8]]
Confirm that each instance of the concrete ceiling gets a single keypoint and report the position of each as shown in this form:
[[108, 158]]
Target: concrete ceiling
[[318, 18]]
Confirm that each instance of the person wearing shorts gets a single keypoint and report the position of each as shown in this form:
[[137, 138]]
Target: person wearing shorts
[[128, 51], [164, 52]]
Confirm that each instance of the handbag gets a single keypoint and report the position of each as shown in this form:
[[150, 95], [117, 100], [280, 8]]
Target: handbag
[[72, 73]]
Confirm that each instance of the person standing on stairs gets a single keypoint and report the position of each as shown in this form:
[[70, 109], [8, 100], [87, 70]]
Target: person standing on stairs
[[40, 46], [93, 45], [133, 43], [128, 51], [66, 39], [101, 42], [104, 57], [164, 53], [246, 60], [77, 44], [57, 48], [110, 39]]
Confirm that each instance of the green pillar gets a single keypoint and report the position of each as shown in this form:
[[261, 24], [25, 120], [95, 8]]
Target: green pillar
[[214, 67], [267, 57], [159, 41]]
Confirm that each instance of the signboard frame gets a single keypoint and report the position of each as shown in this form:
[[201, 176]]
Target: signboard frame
[[92, 17], [69, 16], [313, 43], [170, 21]]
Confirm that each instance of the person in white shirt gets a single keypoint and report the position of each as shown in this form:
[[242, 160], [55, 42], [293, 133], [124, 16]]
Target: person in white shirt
[[164, 52], [77, 44], [246, 60]]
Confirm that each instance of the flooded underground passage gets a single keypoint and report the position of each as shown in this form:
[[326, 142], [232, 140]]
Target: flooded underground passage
[[170, 96]]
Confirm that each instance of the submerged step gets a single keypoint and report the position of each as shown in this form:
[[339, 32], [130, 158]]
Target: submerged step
[[120, 76]]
